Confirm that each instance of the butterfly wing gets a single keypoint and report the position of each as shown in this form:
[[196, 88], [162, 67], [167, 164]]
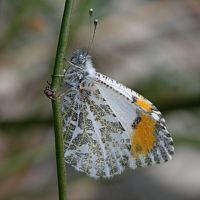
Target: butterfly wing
[[108, 126], [95, 141], [149, 139]]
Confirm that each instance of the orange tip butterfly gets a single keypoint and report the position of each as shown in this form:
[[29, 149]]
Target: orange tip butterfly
[[106, 125]]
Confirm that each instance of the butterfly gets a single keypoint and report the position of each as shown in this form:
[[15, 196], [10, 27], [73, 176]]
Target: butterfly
[[108, 126]]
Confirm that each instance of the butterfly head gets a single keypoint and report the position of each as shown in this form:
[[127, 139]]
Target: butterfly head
[[79, 57], [82, 60]]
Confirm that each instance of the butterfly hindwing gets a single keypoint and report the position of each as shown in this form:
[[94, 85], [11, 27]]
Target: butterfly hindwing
[[97, 143]]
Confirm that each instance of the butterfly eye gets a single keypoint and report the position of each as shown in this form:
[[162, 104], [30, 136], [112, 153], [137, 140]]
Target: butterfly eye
[[78, 60], [82, 59]]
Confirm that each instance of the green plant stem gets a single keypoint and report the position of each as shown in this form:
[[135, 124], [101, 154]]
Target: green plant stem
[[56, 105]]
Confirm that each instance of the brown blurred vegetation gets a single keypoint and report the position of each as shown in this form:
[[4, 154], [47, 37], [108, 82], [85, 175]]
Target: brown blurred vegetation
[[152, 46]]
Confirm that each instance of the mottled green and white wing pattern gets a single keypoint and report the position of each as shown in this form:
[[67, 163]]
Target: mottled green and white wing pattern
[[108, 127], [95, 141]]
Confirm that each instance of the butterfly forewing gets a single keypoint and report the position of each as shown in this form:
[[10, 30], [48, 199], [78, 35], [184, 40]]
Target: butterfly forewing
[[151, 143]]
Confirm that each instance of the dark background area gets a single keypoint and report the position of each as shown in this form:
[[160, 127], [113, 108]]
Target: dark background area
[[152, 46]]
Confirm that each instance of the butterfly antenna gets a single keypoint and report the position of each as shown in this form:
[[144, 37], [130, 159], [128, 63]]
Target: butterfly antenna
[[91, 11], [92, 35], [95, 27]]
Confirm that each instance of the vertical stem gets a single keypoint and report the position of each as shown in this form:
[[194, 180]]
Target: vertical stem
[[56, 105]]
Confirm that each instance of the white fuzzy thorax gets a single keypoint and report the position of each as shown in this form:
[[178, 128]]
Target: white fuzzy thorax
[[89, 67]]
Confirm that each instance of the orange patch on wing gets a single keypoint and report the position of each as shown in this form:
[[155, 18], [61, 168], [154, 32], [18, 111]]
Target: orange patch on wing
[[144, 104], [143, 137]]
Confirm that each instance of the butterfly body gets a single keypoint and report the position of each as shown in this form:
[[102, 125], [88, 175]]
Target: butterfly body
[[107, 126]]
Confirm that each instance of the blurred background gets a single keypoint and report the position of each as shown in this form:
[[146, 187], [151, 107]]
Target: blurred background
[[152, 46]]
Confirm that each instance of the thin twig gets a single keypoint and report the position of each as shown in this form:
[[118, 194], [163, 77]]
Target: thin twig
[[56, 105]]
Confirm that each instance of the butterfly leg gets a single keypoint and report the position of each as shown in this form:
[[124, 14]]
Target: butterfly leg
[[52, 95]]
